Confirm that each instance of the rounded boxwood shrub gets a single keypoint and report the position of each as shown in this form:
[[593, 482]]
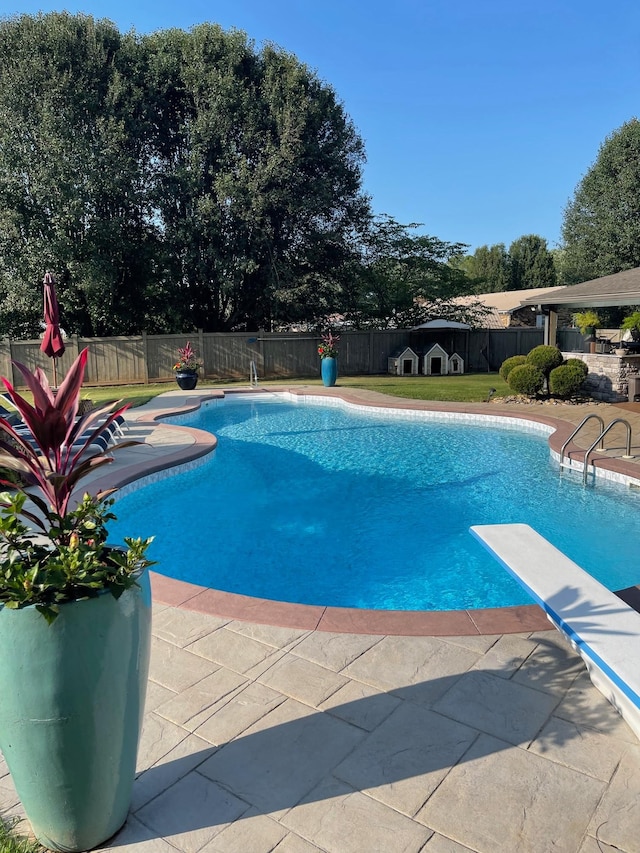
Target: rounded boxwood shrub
[[566, 380], [579, 364], [526, 379], [509, 363], [545, 358]]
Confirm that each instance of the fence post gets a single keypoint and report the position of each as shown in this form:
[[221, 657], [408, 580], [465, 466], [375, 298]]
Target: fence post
[[371, 364], [5, 358], [145, 359], [201, 349]]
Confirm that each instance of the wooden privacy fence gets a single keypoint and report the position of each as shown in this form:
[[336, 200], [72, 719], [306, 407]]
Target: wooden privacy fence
[[228, 355]]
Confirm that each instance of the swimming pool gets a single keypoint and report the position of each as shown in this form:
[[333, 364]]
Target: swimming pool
[[327, 505]]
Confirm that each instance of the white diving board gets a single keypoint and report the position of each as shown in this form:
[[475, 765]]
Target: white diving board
[[601, 627]]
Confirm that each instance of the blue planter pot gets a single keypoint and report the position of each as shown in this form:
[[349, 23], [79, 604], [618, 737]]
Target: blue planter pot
[[71, 704], [187, 380], [329, 371]]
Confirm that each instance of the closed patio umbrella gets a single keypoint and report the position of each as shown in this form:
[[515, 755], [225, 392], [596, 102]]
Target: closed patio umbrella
[[52, 343]]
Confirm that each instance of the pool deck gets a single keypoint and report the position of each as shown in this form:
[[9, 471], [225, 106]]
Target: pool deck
[[269, 730]]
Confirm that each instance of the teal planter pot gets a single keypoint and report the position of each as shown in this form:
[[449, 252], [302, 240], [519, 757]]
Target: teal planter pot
[[71, 705], [329, 371]]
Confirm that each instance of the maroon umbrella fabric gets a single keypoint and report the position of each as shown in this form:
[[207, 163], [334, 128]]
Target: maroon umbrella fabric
[[52, 343]]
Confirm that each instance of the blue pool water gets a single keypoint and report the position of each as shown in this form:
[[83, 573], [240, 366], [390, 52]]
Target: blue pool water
[[323, 505]]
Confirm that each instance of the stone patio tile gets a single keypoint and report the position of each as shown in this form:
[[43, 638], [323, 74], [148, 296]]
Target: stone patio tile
[[552, 666], [158, 737], [334, 651], [8, 797], [593, 845], [277, 761], [176, 764], [156, 695], [439, 844], [502, 799], [506, 655], [478, 643], [584, 705], [271, 635], [253, 832], [232, 650], [174, 667], [617, 817], [340, 821], [182, 627], [361, 705], [417, 668], [302, 680], [510, 711], [135, 837], [404, 760], [191, 812], [294, 844], [186, 708], [583, 749], [244, 709]]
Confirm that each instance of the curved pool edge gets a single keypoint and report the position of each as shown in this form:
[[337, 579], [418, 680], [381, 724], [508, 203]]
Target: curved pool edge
[[232, 606]]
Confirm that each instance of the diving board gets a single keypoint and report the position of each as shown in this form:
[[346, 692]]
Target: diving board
[[599, 625]]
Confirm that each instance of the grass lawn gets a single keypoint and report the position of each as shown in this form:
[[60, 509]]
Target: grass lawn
[[468, 388], [12, 842]]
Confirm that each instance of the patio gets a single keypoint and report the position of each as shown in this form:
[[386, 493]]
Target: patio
[[259, 738]]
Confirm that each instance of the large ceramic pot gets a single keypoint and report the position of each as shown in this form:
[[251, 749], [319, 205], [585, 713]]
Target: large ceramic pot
[[329, 371], [71, 704], [187, 379]]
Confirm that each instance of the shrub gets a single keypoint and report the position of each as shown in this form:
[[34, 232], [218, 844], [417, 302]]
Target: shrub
[[566, 380], [579, 364], [526, 379], [545, 358], [508, 365]]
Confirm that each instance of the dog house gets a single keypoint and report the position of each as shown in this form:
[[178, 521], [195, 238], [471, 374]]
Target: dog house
[[436, 361], [403, 362], [456, 364]]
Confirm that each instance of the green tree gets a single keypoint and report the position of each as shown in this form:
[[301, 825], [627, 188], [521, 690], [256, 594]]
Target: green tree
[[601, 226], [532, 264], [405, 277], [259, 174], [72, 171], [489, 269], [171, 181]]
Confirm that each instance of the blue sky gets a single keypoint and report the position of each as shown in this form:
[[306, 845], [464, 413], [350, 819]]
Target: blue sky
[[479, 117]]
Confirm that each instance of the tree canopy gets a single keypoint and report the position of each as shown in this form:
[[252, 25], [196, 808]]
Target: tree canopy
[[171, 181], [601, 226], [528, 263]]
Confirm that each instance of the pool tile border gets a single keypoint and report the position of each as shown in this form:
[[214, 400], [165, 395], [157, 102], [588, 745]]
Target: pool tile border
[[232, 606]]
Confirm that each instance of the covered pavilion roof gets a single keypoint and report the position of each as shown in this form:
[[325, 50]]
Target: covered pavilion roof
[[621, 288]]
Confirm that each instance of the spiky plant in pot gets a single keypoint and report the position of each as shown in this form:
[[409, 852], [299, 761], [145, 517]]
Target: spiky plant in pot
[[72, 684]]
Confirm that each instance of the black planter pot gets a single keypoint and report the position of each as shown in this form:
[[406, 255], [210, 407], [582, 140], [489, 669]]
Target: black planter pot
[[187, 379]]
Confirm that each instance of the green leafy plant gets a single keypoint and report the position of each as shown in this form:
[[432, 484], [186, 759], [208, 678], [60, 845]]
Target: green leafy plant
[[328, 347], [579, 364], [587, 321], [566, 380], [508, 364], [526, 379], [545, 358], [53, 552], [632, 322]]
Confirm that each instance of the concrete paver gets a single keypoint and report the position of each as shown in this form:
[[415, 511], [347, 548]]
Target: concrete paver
[[260, 738]]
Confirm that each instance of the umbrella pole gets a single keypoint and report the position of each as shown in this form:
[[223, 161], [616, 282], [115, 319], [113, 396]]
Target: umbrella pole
[[55, 373]]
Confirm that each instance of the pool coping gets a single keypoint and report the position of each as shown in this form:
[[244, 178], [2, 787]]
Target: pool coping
[[525, 618]]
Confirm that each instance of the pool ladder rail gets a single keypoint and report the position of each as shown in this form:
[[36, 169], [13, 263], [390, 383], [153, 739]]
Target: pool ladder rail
[[253, 374], [599, 441]]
